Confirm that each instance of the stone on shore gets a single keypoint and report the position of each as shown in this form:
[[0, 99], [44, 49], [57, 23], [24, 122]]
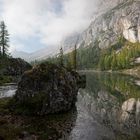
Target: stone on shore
[[46, 89]]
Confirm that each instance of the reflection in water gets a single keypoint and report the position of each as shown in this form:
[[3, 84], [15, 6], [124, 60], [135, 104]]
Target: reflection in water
[[108, 109], [52, 127], [130, 115]]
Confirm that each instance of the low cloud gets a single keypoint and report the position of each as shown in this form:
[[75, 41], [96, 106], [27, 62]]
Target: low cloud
[[49, 20]]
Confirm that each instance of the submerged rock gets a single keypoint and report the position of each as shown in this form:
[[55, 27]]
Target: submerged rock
[[129, 105], [47, 89], [131, 113]]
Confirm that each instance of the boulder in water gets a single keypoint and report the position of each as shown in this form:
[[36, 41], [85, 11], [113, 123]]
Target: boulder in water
[[47, 89]]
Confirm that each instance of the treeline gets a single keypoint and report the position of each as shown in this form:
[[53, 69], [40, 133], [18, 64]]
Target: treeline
[[120, 59], [121, 55], [83, 58], [65, 60], [88, 57]]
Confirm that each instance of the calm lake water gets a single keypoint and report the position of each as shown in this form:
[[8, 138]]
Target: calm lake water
[[8, 90], [107, 109]]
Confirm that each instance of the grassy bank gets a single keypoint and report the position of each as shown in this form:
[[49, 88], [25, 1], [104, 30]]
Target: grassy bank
[[7, 79]]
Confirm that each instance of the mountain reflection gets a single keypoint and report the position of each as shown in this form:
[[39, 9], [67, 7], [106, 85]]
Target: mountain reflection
[[112, 102]]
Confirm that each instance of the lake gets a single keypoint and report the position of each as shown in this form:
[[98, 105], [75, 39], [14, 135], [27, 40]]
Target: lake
[[107, 109], [8, 90]]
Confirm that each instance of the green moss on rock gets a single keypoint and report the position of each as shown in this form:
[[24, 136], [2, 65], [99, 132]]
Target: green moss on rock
[[46, 89]]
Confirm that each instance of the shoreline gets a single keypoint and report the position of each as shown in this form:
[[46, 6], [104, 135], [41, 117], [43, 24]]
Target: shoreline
[[131, 72]]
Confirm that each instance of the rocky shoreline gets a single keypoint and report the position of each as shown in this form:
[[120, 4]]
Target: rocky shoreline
[[46, 95]]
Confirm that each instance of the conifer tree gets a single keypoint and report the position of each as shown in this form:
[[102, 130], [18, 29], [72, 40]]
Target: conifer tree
[[4, 39], [61, 57], [75, 56]]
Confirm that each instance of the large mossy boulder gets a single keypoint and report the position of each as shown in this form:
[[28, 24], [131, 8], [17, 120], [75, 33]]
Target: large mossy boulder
[[46, 89]]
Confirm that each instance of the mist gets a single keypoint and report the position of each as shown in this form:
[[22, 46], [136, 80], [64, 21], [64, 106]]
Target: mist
[[47, 22]]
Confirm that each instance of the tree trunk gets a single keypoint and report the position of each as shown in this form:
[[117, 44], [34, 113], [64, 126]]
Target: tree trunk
[[3, 50]]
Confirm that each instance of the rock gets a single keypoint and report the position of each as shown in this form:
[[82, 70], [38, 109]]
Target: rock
[[26, 136], [89, 35], [47, 89], [129, 105], [13, 66], [17, 66], [131, 112], [138, 112], [123, 20]]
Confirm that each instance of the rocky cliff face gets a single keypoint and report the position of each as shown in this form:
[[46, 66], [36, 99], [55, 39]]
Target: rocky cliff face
[[122, 20], [102, 6]]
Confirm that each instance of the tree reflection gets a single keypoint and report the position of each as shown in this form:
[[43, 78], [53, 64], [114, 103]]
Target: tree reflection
[[113, 100]]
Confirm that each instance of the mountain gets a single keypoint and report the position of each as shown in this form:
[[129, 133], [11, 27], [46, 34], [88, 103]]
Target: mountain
[[121, 20], [113, 19], [112, 41], [38, 55], [20, 54], [102, 6]]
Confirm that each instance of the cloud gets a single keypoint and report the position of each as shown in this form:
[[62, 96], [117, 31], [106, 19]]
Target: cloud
[[49, 20], [13, 46]]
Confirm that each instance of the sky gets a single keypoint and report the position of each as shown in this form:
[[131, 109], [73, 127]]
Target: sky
[[36, 24]]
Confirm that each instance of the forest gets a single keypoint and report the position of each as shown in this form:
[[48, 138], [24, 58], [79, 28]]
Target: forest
[[121, 55]]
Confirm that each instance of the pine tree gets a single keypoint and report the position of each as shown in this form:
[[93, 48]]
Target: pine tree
[[0, 51], [4, 39], [61, 57], [114, 61], [75, 56]]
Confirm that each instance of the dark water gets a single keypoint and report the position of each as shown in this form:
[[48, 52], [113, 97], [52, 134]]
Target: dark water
[[107, 109]]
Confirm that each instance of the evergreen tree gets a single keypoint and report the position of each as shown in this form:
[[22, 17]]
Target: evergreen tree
[[61, 57], [114, 62], [0, 51], [68, 63], [75, 56], [4, 39]]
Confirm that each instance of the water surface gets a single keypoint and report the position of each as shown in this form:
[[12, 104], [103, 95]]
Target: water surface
[[107, 109], [8, 90]]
